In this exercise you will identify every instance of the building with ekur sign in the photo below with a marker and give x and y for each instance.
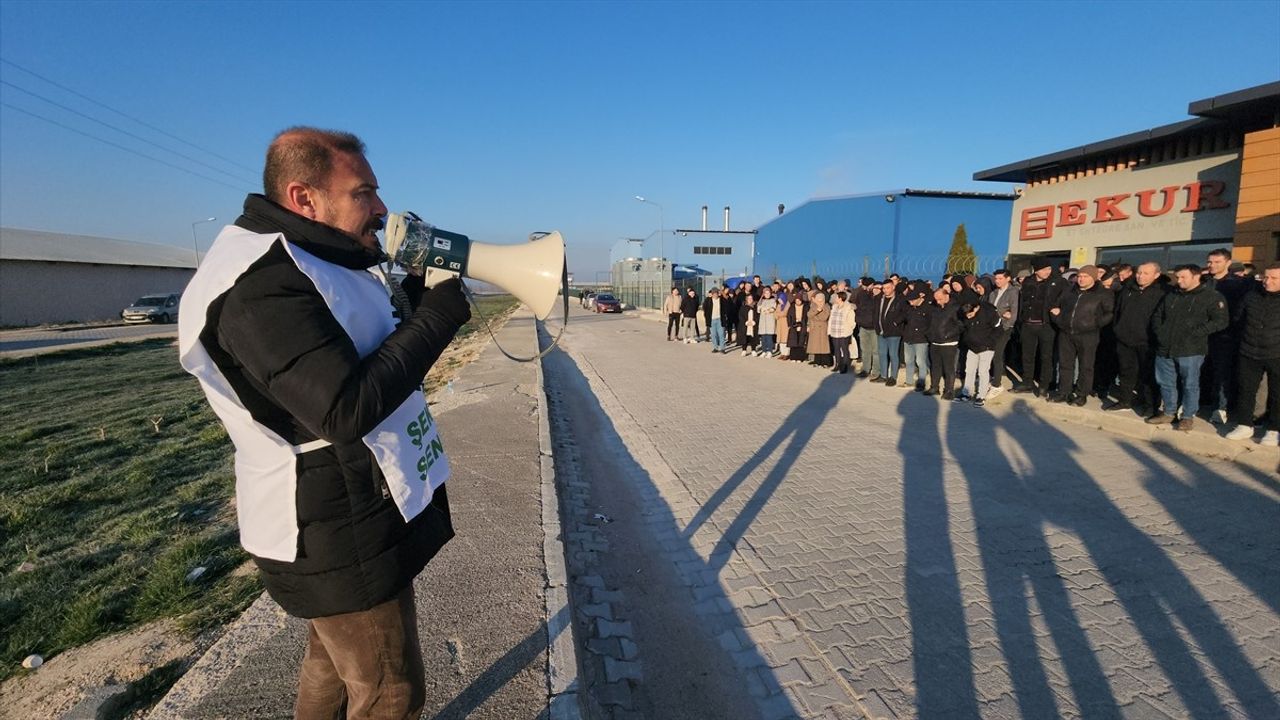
(1169, 194)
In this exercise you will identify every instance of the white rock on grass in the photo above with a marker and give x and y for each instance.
(195, 574)
(31, 662)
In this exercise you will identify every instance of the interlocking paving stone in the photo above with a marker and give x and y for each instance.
(944, 560)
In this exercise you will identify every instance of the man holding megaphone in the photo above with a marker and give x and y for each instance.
(314, 362)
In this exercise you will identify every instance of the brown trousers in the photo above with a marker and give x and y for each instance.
(364, 665)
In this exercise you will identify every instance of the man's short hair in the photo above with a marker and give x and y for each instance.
(1002, 271)
(1223, 253)
(1272, 266)
(1123, 267)
(842, 295)
(1192, 268)
(1151, 262)
(304, 154)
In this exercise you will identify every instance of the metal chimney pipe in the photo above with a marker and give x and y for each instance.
(726, 218)
(704, 218)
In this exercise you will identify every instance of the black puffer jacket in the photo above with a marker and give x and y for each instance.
(1085, 311)
(1260, 326)
(1184, 321)
(982, 330)
(297, 372)
(1134, 308)
(916, 328)
(945, 323)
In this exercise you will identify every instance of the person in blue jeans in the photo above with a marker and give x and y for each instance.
(891, 316)
(1182, 324)
(915, 335)
(713, 309)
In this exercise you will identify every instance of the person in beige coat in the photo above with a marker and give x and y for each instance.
(819, 344)
(671, 306)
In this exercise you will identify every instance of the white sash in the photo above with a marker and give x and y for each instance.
(406, 445)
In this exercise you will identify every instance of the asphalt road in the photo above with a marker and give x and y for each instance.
(34, 341)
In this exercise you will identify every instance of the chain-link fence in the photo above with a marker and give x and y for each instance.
(650, 294)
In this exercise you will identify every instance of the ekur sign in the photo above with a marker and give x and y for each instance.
(1038, 223)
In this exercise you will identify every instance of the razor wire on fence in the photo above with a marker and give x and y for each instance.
(928, 267)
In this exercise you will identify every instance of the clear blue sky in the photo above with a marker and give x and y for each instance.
(497, 119)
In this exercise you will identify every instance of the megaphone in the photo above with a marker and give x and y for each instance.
(530, 271)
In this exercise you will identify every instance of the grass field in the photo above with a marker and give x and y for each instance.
(115, 483)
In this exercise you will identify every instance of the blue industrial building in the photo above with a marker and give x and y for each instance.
(904, 231)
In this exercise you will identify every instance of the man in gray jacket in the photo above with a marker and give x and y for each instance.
(1005, 299)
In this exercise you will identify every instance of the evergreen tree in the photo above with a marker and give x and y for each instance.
(961, 258)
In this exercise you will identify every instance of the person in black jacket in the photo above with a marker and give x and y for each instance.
(1182, 325)
(1217, 377)
(981, 332)
(891, 315)
(866, 301)
(284, 365)
(1135, 304)
(1080, 315)
(1039, 294)
(915, 338)
(1259, 327)
(945, 327)
(689, 317)
(748, 324)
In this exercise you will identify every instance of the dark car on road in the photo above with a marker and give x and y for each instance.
(605, 303)
(153, 308)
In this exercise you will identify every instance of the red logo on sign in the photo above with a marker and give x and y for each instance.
(1038, 222)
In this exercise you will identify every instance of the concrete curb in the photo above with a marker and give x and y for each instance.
(562, 649)
(255, 626)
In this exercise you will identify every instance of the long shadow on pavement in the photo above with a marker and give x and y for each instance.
(1011, 510)
(796, 431)
(695, 574)
(1238, 529)
(942, 664)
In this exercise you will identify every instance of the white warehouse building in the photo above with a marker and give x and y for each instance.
(54, 278)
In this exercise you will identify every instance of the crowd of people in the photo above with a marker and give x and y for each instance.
(1140, 339)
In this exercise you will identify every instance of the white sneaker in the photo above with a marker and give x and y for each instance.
(745, 353)
(1241, 432)
(1270, 438)
(1219, 417)
(994, 392)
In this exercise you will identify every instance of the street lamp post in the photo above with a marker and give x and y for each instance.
(194, 244)
(662, 227)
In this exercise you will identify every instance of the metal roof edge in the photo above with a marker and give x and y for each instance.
(1016, 171)
(1238, 97)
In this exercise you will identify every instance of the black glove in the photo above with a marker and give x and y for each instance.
(448, 299)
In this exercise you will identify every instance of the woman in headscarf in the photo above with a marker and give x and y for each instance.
(819, 345)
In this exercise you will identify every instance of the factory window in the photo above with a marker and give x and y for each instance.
(711, 250)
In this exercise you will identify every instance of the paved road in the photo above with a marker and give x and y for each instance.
(852, 550)
(20, 343)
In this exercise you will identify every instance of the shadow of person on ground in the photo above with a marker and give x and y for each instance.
(758, 688)
(1239, 528)
(1151, 588)
(941, 658)
(1010, 510)
(796, 431)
